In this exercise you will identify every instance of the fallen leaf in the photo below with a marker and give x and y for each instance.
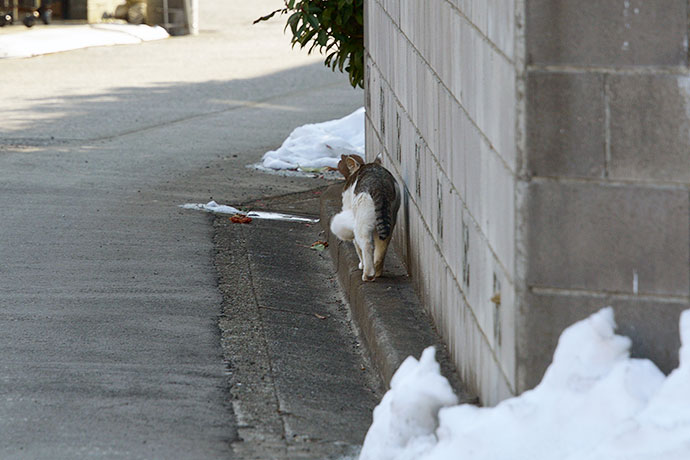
(320, 316)
(240, 219)
(319, 245)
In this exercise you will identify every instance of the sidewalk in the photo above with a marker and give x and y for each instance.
(109, 296)
(302, 385)
(134, 328)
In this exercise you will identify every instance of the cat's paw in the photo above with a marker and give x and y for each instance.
(368, 275)
(360, 266)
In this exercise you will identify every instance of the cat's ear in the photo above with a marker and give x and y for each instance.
(342, 167)
(357, 158)
(352, 163)
(379, 159)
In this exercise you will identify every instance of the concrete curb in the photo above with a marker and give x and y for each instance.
(390, 317)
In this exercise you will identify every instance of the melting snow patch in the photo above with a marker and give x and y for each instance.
(317, 146)
(216, 208)
(594, 403)
(211, 206)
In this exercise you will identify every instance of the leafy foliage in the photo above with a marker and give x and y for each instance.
(336, 27)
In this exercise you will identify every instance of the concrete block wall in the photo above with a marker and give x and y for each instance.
(442, 107)
(604, 205)
(544, 150)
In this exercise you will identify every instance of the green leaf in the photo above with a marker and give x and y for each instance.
(313, 21)
(322, 39)
(334, 26)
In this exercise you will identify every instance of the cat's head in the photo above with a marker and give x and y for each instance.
(349, 164)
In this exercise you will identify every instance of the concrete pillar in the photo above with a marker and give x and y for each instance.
(606, 174)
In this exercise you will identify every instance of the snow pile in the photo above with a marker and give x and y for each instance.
(315, 146)
(594, 402)
(662, 429)
(406, 418)
(54, 39)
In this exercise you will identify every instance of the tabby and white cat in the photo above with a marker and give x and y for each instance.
(371, 199)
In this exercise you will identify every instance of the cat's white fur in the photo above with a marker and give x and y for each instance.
(343, 225)
(356, 223)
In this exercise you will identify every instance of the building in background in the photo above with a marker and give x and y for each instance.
(544, 148)
(178, 17)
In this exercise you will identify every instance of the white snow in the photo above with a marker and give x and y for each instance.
(54, 39)
(211, 206)
(406, 418)
(594, 403)
(216, 208)
(316, 146)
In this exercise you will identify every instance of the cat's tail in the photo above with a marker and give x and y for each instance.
(386, 213)
(343, 225)
(383, 220)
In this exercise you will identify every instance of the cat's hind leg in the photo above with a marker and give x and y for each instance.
(380, 248)
(366, 245)
(365, 221)
(359, 254)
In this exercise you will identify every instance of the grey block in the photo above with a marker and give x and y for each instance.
(565, 124)
(650, 127)
(596, 237)
(652, 326)
(635, 32)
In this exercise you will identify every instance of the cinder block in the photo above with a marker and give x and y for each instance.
(472, 354)
(456, 59)
(372, 93)
(495, 19)
(445, 118)
(565, 124)
(498, 208)
(458, 151)
(442, 29)
(406, 16)
(467, 78)
(474, 173)
(608, 238)
(452, 231)
(652, 326)
(650, 127)
(506, 312)
(501, 130)
(407, 136)
(632, 32)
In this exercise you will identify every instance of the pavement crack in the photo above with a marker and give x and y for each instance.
(285, 310)
(269, 361)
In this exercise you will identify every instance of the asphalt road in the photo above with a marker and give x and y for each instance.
(109, 298)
